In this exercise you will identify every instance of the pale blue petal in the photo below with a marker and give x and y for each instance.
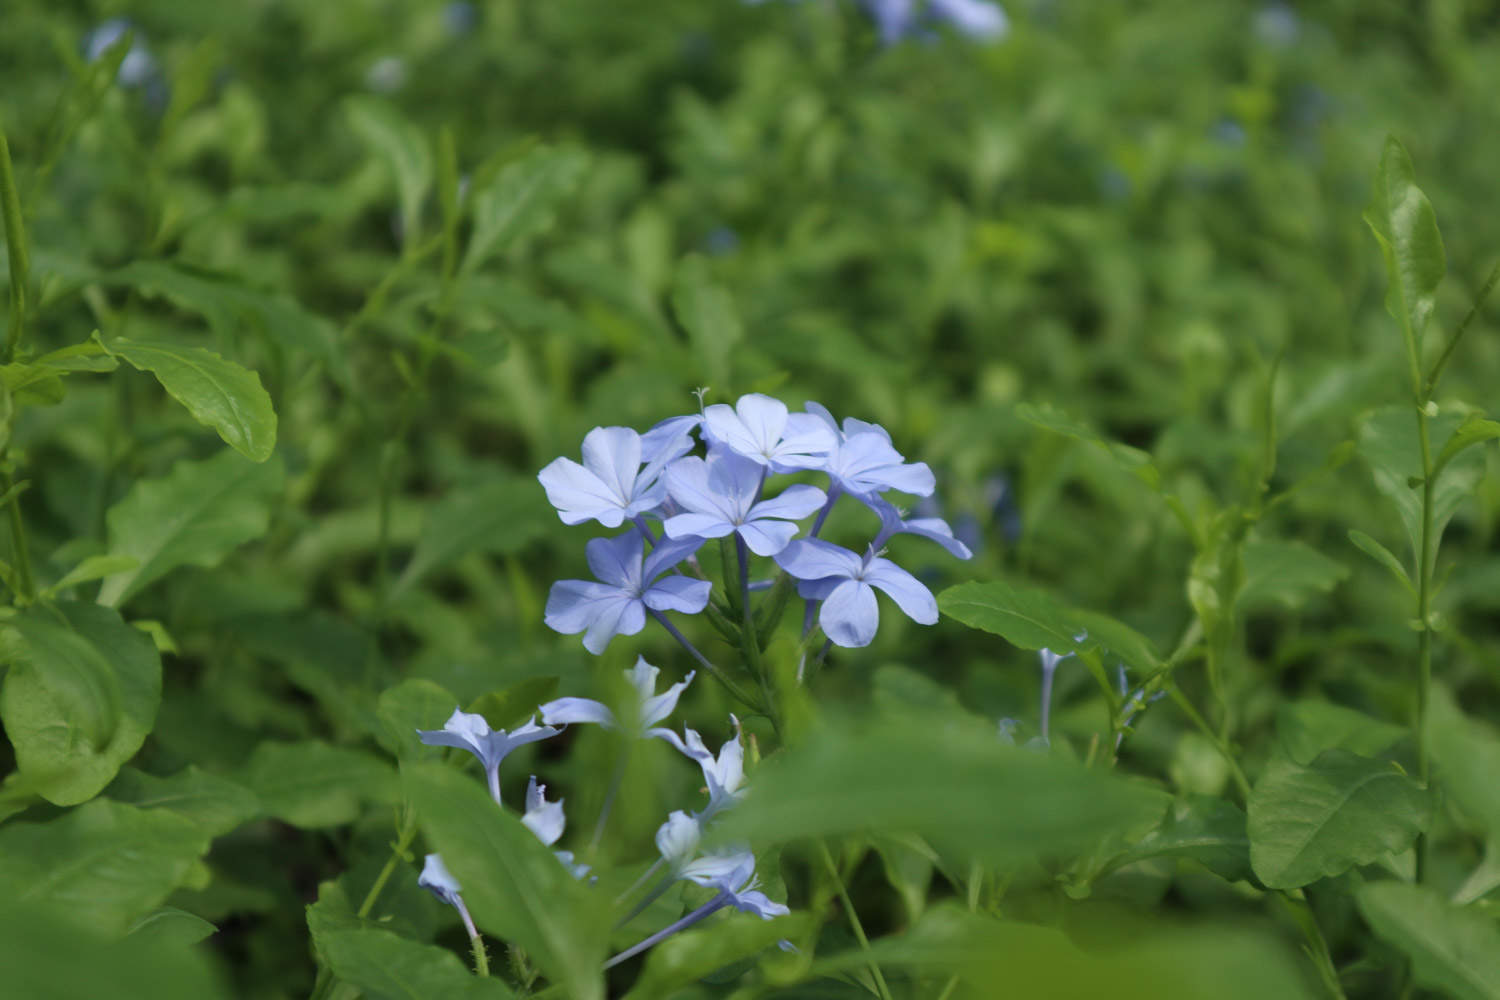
(765, 537)
(543, 818)
(793, 504)
(566, 711)
(909, 593)
(677, 838)
(734, 480)
(687, 481)
(614, 455)
(756, 902)
(936, 529)
(642, 677)
(438, 880)
(656, 708)
(617, 560)
(668, 553)
(817, 590)
(815, 559)
(763, 418)
(821, 412)
(697, 526)
(624, 617)
(677, 593)
(805, 444)
(578, 494)
(573, 604)
(849, 614)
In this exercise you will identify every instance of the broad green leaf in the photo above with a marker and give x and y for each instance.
(217, 392)
(404, 150)
(107, 863)
(49, 954)
(497, 517)
(516, 889)
(1406, 228)
(1342, 810)
(1307, 727)
(959, 789)
(194, 516)
(1286, 573)
(1033, 619)
(1453, 949)
(1384, 556)
(79, 699)
(1132, 960)
(1130, 459)
(172, 925)
(520, 200)
(707, 312)
(390, 967)
(1210, 831)
(685, 958)
(218, 805)
(411, 705)
(314, 784)
(1468, 757)
(1389, 441)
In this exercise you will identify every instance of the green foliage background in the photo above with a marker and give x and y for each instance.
(1107, 275)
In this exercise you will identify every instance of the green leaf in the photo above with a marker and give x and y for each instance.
(217, 392)
(1130, 459)
(1342, 810)
(390, 967)
(959, 789)
(496, 517)
(314, 784)
(1389, 441)
(92, 568)
(1406, 228)
(106, 863)
(1032, 619)
(194, 516)
(1474, 430)
(1468, 757)
(516, 890)
(1451, 948)
(172, 925)
(1384, 556)
(47, 955)
(1306, 728)
(411, 705)
(520, 200)
(79, 699)
(218, 805)
(1210, 831)
(685, 958)
(1286, 573)
(706, 311)
(404, 150)
(516, 704)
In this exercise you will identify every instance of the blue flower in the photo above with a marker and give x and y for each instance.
(724, 774)
(650, 708)
(469, 731)
(761, 429)
(610, 486)
(618, 605)
(438, 880)
(732, 872)
(844, 582)
(546, 820)
(677, 839)
(932, 528)
(719, 497)
(863, 462)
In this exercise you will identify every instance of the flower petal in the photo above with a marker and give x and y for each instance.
(909, 593)
(688, 484)
(566, 711)
(543, 818)
(617, 560)
(849, 614)
(763, 419)
(678, 593)
(438, 880)
(793, 504)
(578, 494)
(668, 553)
(815, 559)
(614, 455)
(656, 708)
(766, 537)
(573, 605)
(697, 526)
(624, 617)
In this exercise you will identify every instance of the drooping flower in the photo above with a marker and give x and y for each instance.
(611, 486)
(719, 497)
(677, 839)
(844, 582)
(732, 872)
(546, 820)
(761, 429)
(438, 880)
(469, 731)
(651, 707)
(618, 605)
(724, 774)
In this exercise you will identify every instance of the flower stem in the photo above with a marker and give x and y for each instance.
(657, 891)
(704, 662)
(1424, 613)
(615, 781)
(833, 495)
(640, 522)
(645, 876)
(1241, 782)
(708, 908)
(853, 916)
(408, 833)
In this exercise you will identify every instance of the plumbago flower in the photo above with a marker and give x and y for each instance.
(724, 775)
(618, 605)
(619, 478)
(469, 731)
(651, 707)
(844, 582)
(761, 429)
(720, 495)
(546, 820)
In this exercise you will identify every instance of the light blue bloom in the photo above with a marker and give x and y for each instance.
(546, 820)
(438, 880)
(618, 605)
(932, 528)
(469, 731)
(724, 774)
(650, 708)
(718, 497)
(761, 429)
(677, 839)
(863, 462)
(732, 872)
(844, 582)
(611, 486)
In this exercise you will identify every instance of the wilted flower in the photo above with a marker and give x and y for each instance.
(469, 731)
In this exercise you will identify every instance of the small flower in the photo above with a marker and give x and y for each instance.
(677, 839)
(436, 879)
(618, 605)
(651, 707)
(546, 820)
(863, 462)
(469, 731)
(724, 774)
(733, 874)
(844, 583)
(761, 429)
(719, 498)
(932, 528)
(610, 486)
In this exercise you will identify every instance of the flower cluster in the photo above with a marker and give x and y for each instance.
(730, 871)
(674, 501)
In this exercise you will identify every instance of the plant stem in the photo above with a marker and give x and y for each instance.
(615, 781)
(713, 905)
(15, 243)
(27, 589)
(854, 924)
(1240, 781)
(404, 838)
(704, 661)
(1424, 611)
